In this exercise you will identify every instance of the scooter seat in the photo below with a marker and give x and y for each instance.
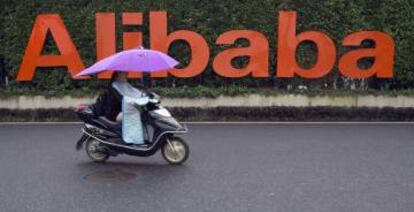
(108, 123)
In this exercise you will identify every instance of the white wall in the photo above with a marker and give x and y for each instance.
(32, 102)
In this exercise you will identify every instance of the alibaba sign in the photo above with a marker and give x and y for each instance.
(257, 51)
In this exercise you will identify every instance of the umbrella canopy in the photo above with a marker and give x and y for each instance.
(134, 60)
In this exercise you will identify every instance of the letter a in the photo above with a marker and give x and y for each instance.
(258, 53)
(383, 52)
(32, 59)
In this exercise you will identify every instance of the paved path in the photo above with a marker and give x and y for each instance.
(260, 167)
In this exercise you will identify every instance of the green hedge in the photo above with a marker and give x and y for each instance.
(336, 18)
(237, 114)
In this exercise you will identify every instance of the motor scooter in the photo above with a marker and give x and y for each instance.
(102, 138)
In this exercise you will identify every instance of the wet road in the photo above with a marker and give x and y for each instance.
(279, 167)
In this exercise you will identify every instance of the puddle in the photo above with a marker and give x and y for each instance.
(112, 175)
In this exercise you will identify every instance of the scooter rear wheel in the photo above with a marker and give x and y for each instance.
(92, 148)
(175, 150)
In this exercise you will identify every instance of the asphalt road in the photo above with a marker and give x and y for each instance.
(265, 167)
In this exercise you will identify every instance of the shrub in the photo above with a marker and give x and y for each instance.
(337, 18)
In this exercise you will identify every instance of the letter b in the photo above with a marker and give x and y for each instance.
(288, 42)
(161, 41)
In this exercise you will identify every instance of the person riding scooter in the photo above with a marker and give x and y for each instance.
(121, 103)
(103, 139)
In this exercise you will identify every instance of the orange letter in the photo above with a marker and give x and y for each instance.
(383, 52)
(68, 57)
(161, 41)
(105, 39)
(132, 39)
(288, 42)
(258, 52)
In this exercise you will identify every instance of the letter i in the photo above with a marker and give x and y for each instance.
(132, 39)
(105, 39)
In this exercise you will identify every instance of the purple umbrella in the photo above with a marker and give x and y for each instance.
(134, 60)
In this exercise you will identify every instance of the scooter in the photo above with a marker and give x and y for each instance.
(102, 138)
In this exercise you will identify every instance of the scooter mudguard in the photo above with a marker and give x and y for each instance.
(80, 142)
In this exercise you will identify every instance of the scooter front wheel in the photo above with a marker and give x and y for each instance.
(175, 150)
(93, 150)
